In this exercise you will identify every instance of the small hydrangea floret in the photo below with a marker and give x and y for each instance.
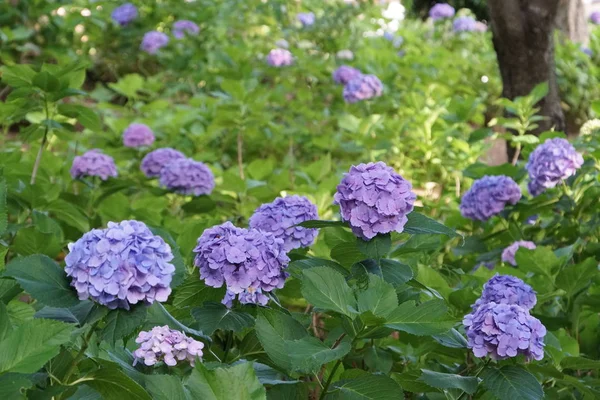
(488, 196)
(184, 27)
(188, 177)
(345, 74)
(138, 135)
(93, 163)
(374, 199)
(280, 58)
(441, 11)
(509, 253)
(306, 19)
(166, 345)
(507, 289)
(595, 17)
(465, 24)
(154, 161)
(124, 14)
(154, 41)
(362, 87)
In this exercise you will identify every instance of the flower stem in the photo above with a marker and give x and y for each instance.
(240, 157)
(84, 346)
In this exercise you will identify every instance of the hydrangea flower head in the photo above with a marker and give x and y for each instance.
(345, 55)
(154, 161)
(509, 253)
(306, 19)
(595, 17)
(441, 11)
(188, 177)
(374, 199)
(184, 27)
(124, 14)
(167, 345)
(488, 196)
(280, 58)
(503, 331)
(507, 289)
(280, 218)
(345, 74)
(397, 41)
(590, 127)
(154, 41)
(480, 27)
(550, 163)
(464, 24)
(282, 44)
(248, 261)
(138, 135)
(362, 87)
(93, 163)
(121, 265)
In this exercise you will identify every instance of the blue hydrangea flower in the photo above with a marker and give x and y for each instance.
(509, 253)
(93, 163)
(595, 17)
(280, 58)
(154, 161)
(362, 87)
(488, 196)
(138, 135)
(550, 163)
(507, 289)
(166, 345)
(184, 27)
(306, 19)
(154, 41)
(441, 11)
(124, 14)
(280, 218)
(503, 331)
(345, 74)
(374, 199)
(121, 265)
(247, 261)
(186, 176)
(464, 24)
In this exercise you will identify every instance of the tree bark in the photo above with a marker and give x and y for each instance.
(523, 37)
(571, 20)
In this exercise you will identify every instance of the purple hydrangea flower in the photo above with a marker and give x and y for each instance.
(595, 17)
(587, 51)
(480, 27)
(124, 14)
(306, 19)
(167, 345)
(507, 289)
(154, 161)
(93, 163)
(374, 199)
(138, 135)
(248, 261)
(186, 176)
(184, 27)
(153, 41)
(121, 265)
(508, 254)
(280, 218)
(464, 24)
(488, 196)
(362, 87)
(345, 74)
(280, 58)
(503, 331)
(441, 11)
(550, 163)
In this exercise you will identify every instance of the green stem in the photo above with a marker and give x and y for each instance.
(330, 378)
(476, 375)
(228, 344)
(84, 346)
(38, 158)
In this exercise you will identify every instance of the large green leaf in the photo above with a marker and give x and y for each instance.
(418, 224)
(5, 324)
(84, 115)
(578, 363)
(309, 353)
(273, 328)
(46, 81)
(376, 248)
(11, 386)
(574, 278)
(120, 323)
(541, 261)
(194, 292)
(327, 289)
(165, 387)
(512, 382)
(113, 384)
(74, 315)
(216, 316)
(429, 318)
(380, 297)
(346, 253)
(238, 382)
(391, 271)
(43, 279)
(369, 387)
(3, 209)
(27, 348)
(31, 240)
(449, 381)
(159, 315)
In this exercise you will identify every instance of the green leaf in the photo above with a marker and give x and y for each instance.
(27, 348)
(120, 323)
(452, 339)
(31, 240)
(43, 279)
(379, 298)
(70, 214)
(479, 170)
(418, 224)
(46, 81)
(5, 324)
(113, 384)
(73, 315)
(84, 115)
(165, 387)
(129, 85)
(216, 316)
(309, 353)
(574, 278)
(3, 209)
(449, 381)
(158, 314)
(369, 387)
(321, 224)
(296, 267)
(376, 248)
(327, 289)
(391, 271)
(194, 292)
(347, 253)
(539, 92)
(19, 75)
(577, 363)
(419, 244)
(260, 169)
(12, 386)
(379, 360)
(512, 382)
(429, 318)
(238, 382)
(540, 261)
(273, 328)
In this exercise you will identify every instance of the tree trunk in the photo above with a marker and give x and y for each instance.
(523, 36)
(571, 20)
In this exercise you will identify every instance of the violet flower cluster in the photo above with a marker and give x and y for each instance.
(362, 87)
(509, 253)
(595, 17)
(248, 262)
(154, 41)
(464, 24)
(500, 324)
(306, 19)
(138, 135)
(345, 74)
(93, 163)
(167, 345)
(124, 14)
(280, 58)
(184, 27)
(281, 217)
(488, 196)
(154, 161)
(374, 199)
(187, 176)
(121, 265)
(441, 11)
(550, 163)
